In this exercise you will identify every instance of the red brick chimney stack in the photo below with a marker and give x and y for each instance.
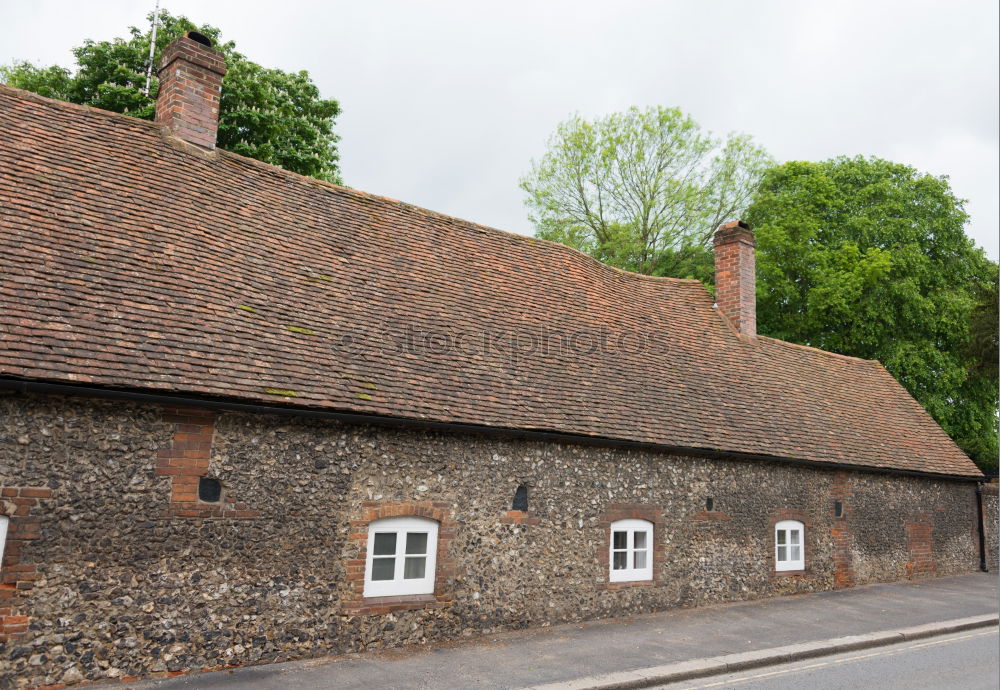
(190, 75)
(735, 276)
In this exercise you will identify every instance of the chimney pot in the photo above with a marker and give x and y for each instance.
(200, 38)
(190, 75)
(735, 276)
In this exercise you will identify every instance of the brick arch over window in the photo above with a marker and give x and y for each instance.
(632, 511)
(802, 516)
(355, 603)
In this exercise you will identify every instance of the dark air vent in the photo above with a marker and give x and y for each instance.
(209, 489)
(521, 499)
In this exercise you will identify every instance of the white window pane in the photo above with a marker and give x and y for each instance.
(781, 536)
(414, 568)
(621, 560)
(631, 550)
(795, 553)
(383, 568)
(793, 536)
(401, 557)
(782, 553)
(416, 542)
(385, 544)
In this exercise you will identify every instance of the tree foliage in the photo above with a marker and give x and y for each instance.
(984, 337)
(642, 190)
(869, 258)
(274, 116)
(51, 82)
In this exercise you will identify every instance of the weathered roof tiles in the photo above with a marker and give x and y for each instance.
(134, 261)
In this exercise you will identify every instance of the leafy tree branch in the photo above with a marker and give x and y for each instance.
(642, 190)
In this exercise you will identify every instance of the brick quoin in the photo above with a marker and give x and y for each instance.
(186, 460)
(843, 571)
(920, 545)
(22, 506)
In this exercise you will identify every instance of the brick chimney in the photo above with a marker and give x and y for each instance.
(190, 77)
(735, 276)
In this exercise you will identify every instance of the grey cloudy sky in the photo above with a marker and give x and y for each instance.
(445, 103)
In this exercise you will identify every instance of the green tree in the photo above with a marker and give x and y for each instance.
(984, 335)
(642, 190)
(869, 258)
(51, 82)
(274, 116)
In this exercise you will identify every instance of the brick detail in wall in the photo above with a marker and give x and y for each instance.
(186, 460)
(843, 571)
(920, 546)
(518, 517)
(190, 76)
(21, 505)
(631, 511)
(356, 604)
(736, 277)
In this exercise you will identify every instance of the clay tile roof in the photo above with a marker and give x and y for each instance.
(132, 261)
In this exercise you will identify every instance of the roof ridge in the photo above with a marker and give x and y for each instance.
(818, 350)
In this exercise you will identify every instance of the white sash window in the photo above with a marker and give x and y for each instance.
(631, 555)
(789, 546)
(401, 557)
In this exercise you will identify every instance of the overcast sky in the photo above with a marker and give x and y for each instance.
(446, 103)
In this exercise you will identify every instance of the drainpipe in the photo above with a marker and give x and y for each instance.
(982, 530)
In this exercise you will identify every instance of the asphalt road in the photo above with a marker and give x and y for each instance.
(966, 660)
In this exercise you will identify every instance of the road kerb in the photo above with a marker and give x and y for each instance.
(701, 668)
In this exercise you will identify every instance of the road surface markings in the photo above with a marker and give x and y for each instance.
(857, 657)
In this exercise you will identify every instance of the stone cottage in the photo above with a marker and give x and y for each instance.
(248, 416)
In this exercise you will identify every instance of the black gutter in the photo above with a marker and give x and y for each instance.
(453, 427)
(982, 528)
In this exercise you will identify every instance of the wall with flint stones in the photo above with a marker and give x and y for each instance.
(118, 571)
(991, 525)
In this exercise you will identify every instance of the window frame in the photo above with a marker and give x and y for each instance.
(789, 564)
(399, 585)
(4, 526)
(631, 526)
